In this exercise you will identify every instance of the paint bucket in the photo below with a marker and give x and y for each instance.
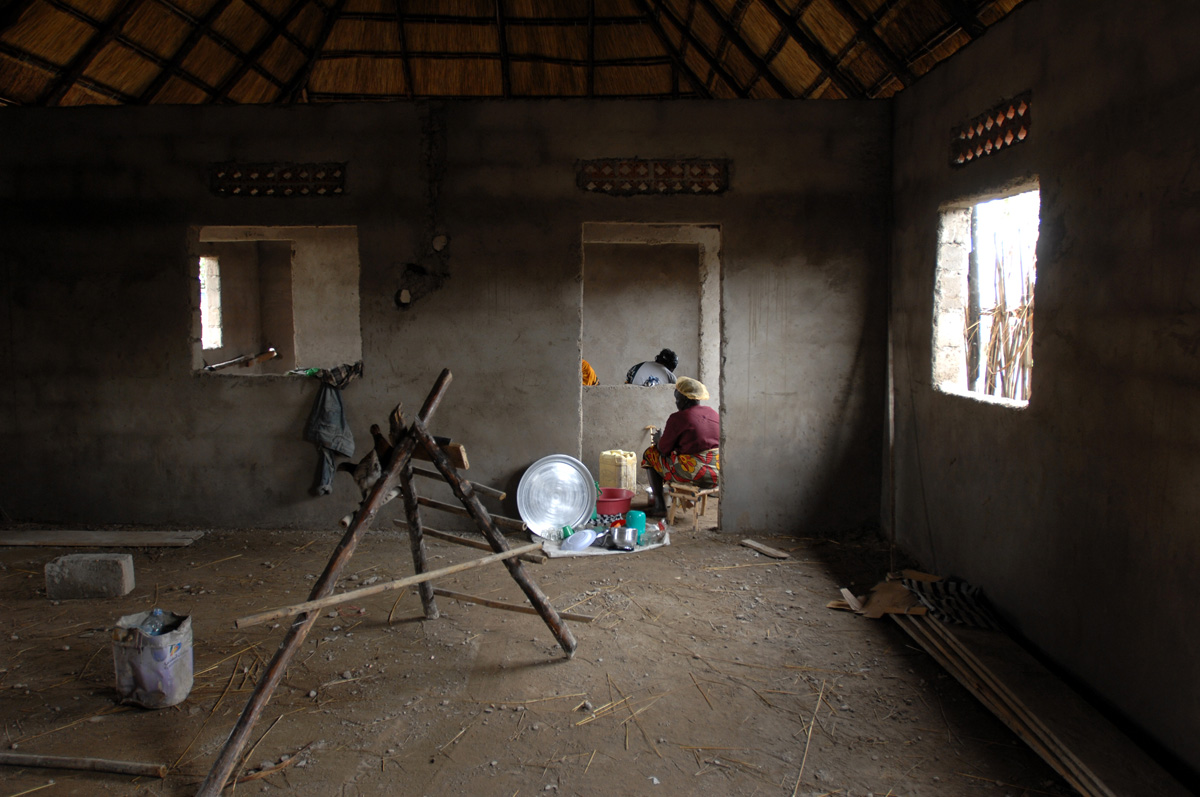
(153, 670)
(618, 469)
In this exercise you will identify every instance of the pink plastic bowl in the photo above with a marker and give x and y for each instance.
(614, 501)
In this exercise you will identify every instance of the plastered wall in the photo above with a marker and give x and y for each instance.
(1076, 514)
(96, 289)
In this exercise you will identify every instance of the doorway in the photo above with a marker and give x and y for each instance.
(645, 287)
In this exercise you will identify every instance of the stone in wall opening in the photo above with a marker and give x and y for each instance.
(984, 298)
(290, 290)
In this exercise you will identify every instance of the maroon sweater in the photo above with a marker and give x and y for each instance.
(691, 431)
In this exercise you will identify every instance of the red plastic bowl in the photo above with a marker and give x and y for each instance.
(613, 501)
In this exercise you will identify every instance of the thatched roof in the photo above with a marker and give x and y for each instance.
(140, 52)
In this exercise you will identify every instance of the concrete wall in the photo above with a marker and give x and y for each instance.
(97, 298)
(638, 299)
(1077, 513)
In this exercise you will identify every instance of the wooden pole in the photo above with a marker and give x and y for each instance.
(532, 558)
(227, 759)
(510, 607)
(375, 589)
(416, 540)
(499, 520)
(466, 494)
(89, 764)
(479, 488)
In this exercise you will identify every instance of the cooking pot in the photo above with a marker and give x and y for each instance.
(622, 538)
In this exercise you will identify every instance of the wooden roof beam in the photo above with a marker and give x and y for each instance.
(674, 54)
(780, 39)
(83, 59)
(294, 86)
(665, 10)
(174, 65)
(866, 32)
(220, 40)
(502, 44)
(815, 51)
(591, 49)
(964, 16)
(406, 63)
(764, 69)
(11, 11)
(261, 46)
(489, 21)
(276, 26)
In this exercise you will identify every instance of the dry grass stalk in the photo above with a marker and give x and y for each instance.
(701, 690)
(46, 785)
(808, 741)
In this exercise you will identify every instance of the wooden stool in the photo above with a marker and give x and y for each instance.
(687, 496)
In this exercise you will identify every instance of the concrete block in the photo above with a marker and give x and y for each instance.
(89, 575)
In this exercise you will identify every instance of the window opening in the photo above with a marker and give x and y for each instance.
(210, 302)
(984, 301)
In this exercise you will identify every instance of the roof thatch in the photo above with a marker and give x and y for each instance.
(139, 52)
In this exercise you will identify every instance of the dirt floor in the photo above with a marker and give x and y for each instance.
(709, 668)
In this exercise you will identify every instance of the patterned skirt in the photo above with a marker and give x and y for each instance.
(702, 470)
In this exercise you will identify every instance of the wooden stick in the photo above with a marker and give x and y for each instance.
(227, 759)
(466, 494)
(89, 764)
(416, 540)
(479, 488)
(375, 589)
(766, 550)
(499, 520)
(512, 607)
(532, 558)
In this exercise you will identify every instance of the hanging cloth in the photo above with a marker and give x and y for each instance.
(327, 426)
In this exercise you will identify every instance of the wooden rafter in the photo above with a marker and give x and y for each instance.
(11, 11)
(261, 46)
(688, 16)
(699, 47)
(735, 19)
(815, 51)
(445, 55)
(964, 16)
(489, 21)
(83, 59)
(502, 43)
(275, 26)
(224, 43)
(730, 32)
(674, 54)
(777, 44)
(173, 66)
(866, 32)
(591, 49)
(406, 59)
(42, 65)
(300, 79)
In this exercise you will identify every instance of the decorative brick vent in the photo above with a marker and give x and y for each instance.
(637, 177)
(279, 179)
(1005, 125)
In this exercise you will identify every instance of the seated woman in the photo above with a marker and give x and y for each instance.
(688, 448)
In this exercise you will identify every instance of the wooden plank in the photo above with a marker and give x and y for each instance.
(479, 488)
(766, 550)
(387, 586)
(532, 558)
(1096, 741)
(58, 538)
(511, 607)
(454, 509)
(455, 452)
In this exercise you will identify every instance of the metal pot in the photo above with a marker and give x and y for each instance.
(623, 538)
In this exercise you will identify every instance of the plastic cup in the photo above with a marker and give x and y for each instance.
(637, 520)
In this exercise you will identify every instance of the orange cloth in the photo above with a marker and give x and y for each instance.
(589, 374)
